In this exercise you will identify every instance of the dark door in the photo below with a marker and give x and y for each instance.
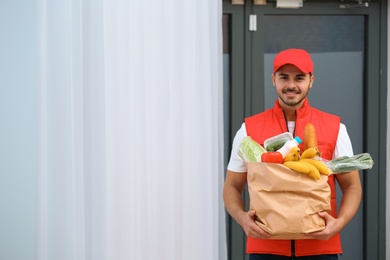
(345, 46)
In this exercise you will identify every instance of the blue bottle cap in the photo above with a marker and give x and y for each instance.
(299, 141)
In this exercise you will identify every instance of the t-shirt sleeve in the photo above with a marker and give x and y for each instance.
(343, 144)
(236, 163)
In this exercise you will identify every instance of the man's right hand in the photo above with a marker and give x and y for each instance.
(233, 188)
(250, 227)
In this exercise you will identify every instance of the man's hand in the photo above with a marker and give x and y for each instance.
(352, 193)
(332, 227)
(233, 188)
(251, 229)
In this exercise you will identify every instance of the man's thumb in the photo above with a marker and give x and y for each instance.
(252, 212)
(323, 214)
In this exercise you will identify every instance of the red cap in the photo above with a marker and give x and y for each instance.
(297, 57)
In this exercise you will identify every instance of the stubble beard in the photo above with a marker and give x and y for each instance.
(292, 102)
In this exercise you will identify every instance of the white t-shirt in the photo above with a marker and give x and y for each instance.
(236, 164)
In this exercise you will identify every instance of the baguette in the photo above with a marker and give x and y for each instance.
(310, 137)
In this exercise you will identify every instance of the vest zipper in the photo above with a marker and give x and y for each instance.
(292, 249)
(295, 127)
(286, 123)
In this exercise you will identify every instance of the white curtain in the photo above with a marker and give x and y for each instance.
(130, 130)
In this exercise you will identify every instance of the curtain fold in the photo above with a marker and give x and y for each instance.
(130, 130)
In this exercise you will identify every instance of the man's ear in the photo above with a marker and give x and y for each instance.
(311, 81)
(273, 79)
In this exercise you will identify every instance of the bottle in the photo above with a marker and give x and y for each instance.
(285, 149)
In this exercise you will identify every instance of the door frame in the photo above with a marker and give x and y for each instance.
(247, 89)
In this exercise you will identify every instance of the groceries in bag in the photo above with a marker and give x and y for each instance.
(283, 149)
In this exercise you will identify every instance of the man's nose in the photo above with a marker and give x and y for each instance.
(291, 83)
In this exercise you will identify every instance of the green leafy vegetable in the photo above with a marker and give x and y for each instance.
(361, 161)
(250, 150)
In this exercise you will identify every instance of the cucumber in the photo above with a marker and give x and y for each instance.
(274, 146)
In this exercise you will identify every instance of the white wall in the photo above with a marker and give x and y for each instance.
(18, 128)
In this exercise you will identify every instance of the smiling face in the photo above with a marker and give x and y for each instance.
(292, 86)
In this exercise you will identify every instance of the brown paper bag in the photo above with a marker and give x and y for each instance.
(287, 202)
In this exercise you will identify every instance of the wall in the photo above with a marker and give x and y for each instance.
(18, 83)
(388, 140)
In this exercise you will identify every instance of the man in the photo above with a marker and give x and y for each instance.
(293, 78)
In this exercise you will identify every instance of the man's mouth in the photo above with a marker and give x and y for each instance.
(291, 93)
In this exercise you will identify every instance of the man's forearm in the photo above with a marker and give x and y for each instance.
(234, 203)
(352, 193)
(349, 204)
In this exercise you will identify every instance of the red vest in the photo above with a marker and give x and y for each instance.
(272, 122)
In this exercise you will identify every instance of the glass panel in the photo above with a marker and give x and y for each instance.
(226, 78)
(336, 44)
(315, 33)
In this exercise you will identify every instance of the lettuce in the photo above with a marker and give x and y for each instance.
(250, 151)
